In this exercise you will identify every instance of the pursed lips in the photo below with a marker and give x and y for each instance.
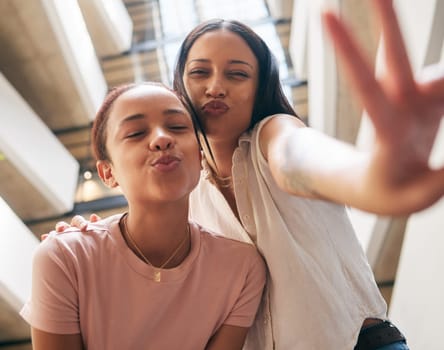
(166, 162)
(215, 107)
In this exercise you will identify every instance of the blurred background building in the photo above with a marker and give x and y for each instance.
(59, 58)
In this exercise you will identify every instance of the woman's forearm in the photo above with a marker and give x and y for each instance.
(385, 181)
(308, 163)
(49, 341)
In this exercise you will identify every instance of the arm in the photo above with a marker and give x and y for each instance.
(54, 299)
(228, 338)
(308, 163)
(232, 334)
(395, 177)
(49, 341)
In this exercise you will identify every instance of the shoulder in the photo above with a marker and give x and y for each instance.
(54, 256)
(280, 122)
(274, 128)
(73, 241)
(269, 130)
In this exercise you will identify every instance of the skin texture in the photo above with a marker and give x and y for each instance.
(146, 125)
(135, 126)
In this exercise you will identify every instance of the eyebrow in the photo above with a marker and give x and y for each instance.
(166, 112)
(172, 111)
(204, 60)
(131, 118)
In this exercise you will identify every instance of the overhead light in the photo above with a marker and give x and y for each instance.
(87, 175)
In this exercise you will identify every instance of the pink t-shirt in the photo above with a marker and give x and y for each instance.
(92, 283)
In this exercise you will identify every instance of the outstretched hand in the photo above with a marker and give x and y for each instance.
(406, 114)
(77, 221)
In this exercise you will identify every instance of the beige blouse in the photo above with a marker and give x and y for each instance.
(320, 286)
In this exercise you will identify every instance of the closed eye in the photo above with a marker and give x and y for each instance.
(238, 74)
(178, 127)
(197, 72)
(134, 134)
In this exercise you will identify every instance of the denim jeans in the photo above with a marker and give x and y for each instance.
(395, 346)
(380, 334)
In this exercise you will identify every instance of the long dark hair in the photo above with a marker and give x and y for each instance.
(270, 98)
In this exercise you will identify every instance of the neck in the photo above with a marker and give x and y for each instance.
(157, 233)
(223, 155)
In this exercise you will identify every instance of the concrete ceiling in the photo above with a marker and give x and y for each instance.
(34, 63)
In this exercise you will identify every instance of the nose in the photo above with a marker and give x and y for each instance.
(161, 141)
(215, 88)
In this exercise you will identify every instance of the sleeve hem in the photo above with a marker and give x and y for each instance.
(34, 322)
(239, 322)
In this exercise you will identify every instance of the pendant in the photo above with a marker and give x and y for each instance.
(157, 276)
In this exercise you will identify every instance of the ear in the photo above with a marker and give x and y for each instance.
(105, 171)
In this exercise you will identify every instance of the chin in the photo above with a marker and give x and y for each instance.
(175, 192)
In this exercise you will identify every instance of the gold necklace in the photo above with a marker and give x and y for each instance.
(211, 174)
(157, 273)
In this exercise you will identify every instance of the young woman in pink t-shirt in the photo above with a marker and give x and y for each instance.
(147, 279)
